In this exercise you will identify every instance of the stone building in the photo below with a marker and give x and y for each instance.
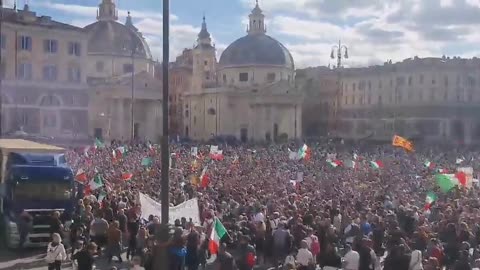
(319, 87)
(435, 99)
(249, 94)
(44, 89)
(180, 82)
(121, 75)
(111, 110)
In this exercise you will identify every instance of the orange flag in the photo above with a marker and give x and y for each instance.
(403, 143)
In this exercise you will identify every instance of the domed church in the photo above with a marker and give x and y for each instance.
(112, 45)
(249, 94)
(125, 97)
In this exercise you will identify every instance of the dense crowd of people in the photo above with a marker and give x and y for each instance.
(295, 213)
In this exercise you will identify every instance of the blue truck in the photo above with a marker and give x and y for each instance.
(36, 179)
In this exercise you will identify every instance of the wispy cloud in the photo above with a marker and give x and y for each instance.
(91, 11)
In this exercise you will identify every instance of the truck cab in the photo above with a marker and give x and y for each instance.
(37, 180)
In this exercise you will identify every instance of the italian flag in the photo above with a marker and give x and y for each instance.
(81, 176)
(204, 178)
(429, 200)
(334, 163)
(429, 164)
(443, 171)
(96, 182)
(305, 152)
(446, 182)
(121, 151)
(218, 232)
(376, 164)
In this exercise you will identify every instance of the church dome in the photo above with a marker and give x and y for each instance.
(256, 49)
(108, 37)
(113, 38)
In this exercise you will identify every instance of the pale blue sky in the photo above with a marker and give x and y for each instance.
(374, 30)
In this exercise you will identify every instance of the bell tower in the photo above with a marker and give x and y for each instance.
(257, 21)
(204, 61)
(107, 11)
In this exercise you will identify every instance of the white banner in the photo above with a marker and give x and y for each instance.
(194, 151)
(213, 149)
(188, 209)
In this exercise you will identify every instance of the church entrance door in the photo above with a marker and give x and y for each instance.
(244, 135)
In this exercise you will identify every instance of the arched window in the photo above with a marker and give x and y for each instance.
(211, 111)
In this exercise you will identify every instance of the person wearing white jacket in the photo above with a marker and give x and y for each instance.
(55, 253)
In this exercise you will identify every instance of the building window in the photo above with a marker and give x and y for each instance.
(127, 68)
(353, 100)
(3, 41)
(420, 95)
(390, 98)
(74, 48)
(270, 77)
(346, 100)
(25, 43)
(99, 66)
(445, 95)
(470, 95)
(194, 120)
(421, 78)
(187, 113)
(379, 84)
(207, 75)
(380, 100)
(369, 85)
(243, 77)
(74, 74)
(205, 63)
(433, 81)
(354, 87)
(25, 71)
(50, 73)
(410, 81)
(445, 80)
(225, 78)
(50, 46)
(432, 94)
(361, 100)
(458, 80)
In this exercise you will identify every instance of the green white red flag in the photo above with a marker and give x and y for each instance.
(334, 163)
(81, 176)
(376, 164)
(428, 164)
(447, 182)
(218, 232)
(429, 200)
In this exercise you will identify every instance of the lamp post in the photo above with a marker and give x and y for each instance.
(162, 233)
(164, 143)
(132, 123)
(339, 49)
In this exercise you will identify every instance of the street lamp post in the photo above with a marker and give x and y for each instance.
(339, 49)
(132, 123)
(162, 235)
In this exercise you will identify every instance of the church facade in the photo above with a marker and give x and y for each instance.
(125, 97)
(249, 93)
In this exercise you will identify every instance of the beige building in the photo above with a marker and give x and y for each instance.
(430, 98)
(250, 93)
(111, 109)
(121, 73)
(44, 89)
